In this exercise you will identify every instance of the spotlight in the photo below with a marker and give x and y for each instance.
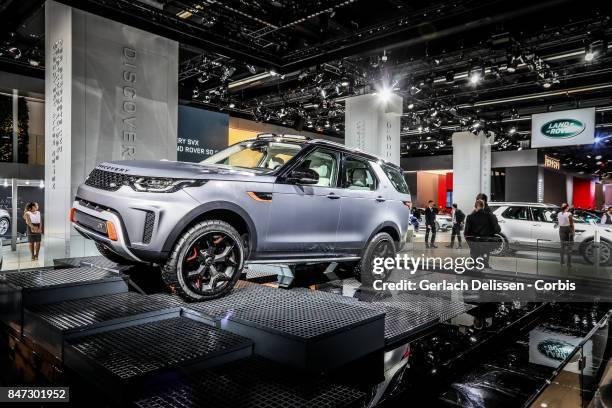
(385, 94)
(411, 106)
(203, 78)
(251, 68)
(34, 57)
(41, 184)
(475, 75)
(546, 84)
(232, 105)
(512, 130)
(196, 93)
(14, 52)
(589, 53)
(345, 82)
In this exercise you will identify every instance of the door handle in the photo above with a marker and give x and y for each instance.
(380, 199)
(333, 196)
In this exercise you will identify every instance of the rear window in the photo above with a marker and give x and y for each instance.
(396, 178)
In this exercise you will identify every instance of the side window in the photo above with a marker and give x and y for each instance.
(396, 178)
(542, 214)
(325, 164)
(358, 175)
(516, 213)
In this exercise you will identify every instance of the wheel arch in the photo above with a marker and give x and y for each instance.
(390, 228)
(219, 210)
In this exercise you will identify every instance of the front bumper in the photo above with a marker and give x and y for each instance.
(142, 221)
(100, 234)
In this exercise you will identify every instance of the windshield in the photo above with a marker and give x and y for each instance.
(258, 154)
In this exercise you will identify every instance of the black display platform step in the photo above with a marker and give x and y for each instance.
(50, 325)
(132, 359)
(94, 261)
(400, 324)
(249, 383)
(260, 273)
(21, 289)
(293, 328)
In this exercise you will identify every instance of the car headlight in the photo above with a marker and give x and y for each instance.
(162, 185)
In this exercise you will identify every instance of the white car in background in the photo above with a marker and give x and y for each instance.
(534, 226)
(5, 222)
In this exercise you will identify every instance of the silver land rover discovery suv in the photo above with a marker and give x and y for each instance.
(274, 199)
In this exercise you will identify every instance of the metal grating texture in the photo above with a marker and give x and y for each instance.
(290, 312)
(55, 277)
(441, 308)
(80, 313)
(254, 273)
(50, 325)
(103, 263)
(400, 323)
(66, 262)
(106, 180)
(253, 382)
(294, 328)
(133, 359)
(148, 227)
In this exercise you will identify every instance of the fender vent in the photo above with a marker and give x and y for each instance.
(148, 227)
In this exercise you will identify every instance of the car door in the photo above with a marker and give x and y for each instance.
(515, 222)
(544, 227)
(303, 219)
(361, 207)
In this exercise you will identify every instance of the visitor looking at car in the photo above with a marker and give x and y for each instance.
(32, 218)
(606, 218)
(565, 219)
(480, 232)
(458, 217)
(430, 225)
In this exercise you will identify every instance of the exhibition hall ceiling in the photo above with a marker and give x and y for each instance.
(459, 65)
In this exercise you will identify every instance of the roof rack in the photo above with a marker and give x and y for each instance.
(271, 135)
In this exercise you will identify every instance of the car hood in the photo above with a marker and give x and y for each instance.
(176, 169)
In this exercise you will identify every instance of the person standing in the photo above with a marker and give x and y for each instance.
(33, 221)
(430, 225)
(480, 230)
(606, 218)
(483, 197)
(458, 218)
(565, 220)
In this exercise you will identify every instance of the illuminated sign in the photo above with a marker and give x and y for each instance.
(552, 163)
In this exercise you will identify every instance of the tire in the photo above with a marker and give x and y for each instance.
(504, 246)
(194, 268)
(5, 226)
(111, 256)
(605, 252)
(364, 269)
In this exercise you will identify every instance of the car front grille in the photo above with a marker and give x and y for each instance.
(106, 180)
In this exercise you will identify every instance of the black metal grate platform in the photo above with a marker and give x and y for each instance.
(50, 325)
(253, 382)
(80, 313)
(126, 359)
(400, 324)
(442, 308)
(54, 277)
(295, 328)
(103, 263)
(255, 273)
(32, 287)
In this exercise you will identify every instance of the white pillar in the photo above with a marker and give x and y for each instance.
(471, 168)
(111, 93)
(373, 125)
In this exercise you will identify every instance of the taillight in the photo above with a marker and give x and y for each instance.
(71, 215)
(111, 231)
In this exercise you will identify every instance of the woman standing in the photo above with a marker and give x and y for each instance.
(566, 233)
(33, 220)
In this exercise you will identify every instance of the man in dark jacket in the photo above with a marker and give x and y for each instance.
(483, 197)
(480, 230)
(458, 218)
(430, 225)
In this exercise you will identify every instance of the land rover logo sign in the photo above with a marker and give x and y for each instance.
(562, 128)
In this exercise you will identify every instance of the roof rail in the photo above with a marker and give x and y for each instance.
(270, 135)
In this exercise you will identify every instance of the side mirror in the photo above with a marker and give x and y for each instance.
(303, 176)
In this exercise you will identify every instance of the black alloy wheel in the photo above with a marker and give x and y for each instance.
(381, 245)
